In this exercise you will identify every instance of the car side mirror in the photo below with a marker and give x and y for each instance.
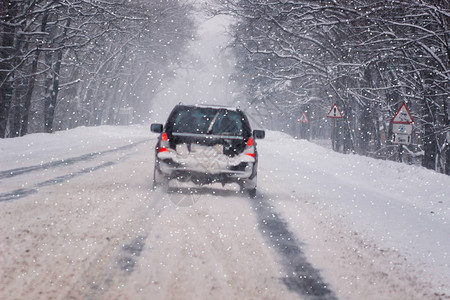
(259, 134)
(157, 128)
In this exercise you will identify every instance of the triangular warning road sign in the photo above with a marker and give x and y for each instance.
(334, 112)
(303, 118)
(403, 116)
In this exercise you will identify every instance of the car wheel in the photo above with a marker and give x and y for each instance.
(158, 178)
(252, 193)
(249, 186)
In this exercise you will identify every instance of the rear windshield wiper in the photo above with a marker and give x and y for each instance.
(212, 123)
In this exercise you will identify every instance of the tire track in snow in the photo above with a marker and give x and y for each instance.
(21, 193)
(301, 277)
(131, 251)
(64, 162)
(24, 192)
(113, 265)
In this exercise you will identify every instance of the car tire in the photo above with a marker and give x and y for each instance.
(158, 179)
(248, 187)
(252, 193)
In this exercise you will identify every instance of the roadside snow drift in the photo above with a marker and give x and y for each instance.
(79, 220)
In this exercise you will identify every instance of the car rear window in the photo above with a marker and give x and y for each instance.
(203, 120)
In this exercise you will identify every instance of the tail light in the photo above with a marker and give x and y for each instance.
(164, 145)
(250, 150)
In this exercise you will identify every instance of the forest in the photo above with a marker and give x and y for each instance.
(69, 63)
(367, 56)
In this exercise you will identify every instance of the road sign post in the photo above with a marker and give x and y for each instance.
(402, 128)
(334, 113)
(304, 128)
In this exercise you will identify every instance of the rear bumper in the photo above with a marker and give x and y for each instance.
(168, 167)
(206, 164)
(244, 173)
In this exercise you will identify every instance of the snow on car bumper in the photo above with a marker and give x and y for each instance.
(207, 161)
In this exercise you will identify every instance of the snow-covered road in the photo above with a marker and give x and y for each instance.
(79, 221)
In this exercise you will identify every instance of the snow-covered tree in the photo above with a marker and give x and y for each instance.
(78, 62)
(366, 56)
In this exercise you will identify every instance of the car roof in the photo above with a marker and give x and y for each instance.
(214, 106)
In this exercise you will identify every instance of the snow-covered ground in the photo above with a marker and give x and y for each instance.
(79, 221)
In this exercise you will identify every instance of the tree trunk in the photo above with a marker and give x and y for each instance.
(31, 82)
(347, 130)
(54, 93)
(6, 67)
(447, 146)
(429, 136)
(28, 95)
(365, 130)
(51, 104)
(48, 109)
(447, 161)
(15, 115)
(18, 82)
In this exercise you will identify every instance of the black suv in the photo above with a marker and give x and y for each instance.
(207, 144)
